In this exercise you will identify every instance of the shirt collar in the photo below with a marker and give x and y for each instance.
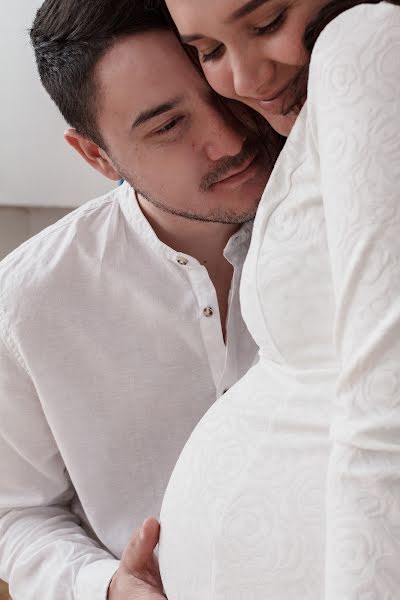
(237, 244)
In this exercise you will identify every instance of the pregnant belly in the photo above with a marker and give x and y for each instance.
(243, 514)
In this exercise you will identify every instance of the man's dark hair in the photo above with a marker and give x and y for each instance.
(69, 37)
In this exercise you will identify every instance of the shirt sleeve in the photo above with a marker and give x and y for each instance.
(44, 552)
(354, 106)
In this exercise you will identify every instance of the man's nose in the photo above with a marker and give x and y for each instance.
(224, 137)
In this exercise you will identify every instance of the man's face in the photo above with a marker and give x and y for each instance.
(168, 136)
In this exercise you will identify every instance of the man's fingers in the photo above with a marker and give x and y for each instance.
(139, 550)
(150, 532)
(138, 575)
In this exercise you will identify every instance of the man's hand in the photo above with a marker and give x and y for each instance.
(138, 576)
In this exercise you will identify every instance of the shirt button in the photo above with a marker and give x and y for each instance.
(182, 260)
(208, 311)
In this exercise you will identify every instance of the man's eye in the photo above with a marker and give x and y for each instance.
(170, 125)
(272, 27)
(216, 53)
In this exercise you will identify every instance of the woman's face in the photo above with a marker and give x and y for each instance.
(250, 50)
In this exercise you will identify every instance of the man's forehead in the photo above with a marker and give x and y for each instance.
(150, 56)
(143, 71)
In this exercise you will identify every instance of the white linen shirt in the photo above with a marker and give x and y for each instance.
(111, 350)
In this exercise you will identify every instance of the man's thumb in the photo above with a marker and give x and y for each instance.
(140, 548)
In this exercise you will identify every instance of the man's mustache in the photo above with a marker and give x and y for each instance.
(249, 150)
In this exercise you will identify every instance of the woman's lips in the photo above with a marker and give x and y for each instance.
(274, 102)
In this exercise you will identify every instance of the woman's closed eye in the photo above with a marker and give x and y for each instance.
(268, 29)
(213, 55)
(272, 27)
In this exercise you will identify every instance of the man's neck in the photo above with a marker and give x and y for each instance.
(203, 240)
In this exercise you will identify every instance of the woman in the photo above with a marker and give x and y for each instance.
(289, 487)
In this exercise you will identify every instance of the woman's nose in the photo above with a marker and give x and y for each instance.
(251, 78)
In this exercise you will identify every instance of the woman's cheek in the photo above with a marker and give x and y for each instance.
(220, 80)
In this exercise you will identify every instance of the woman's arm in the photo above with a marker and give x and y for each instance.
(354, 103)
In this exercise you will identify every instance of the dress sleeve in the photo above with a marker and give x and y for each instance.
(354, 107)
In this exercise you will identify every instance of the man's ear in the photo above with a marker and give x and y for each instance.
(92, 154)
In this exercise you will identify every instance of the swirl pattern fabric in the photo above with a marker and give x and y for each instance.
(289, 487)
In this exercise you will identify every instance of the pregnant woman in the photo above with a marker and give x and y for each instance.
(289, 487)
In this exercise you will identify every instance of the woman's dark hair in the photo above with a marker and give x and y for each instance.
(70, 36)
(328, 13)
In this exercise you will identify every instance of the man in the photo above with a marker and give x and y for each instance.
(120, 325)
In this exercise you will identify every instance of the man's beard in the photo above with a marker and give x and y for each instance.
(251, 148)
(216, 215)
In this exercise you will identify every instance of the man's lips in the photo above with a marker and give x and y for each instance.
(236, 173)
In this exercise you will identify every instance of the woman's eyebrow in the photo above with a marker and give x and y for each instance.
(245, 10)
(186, 39)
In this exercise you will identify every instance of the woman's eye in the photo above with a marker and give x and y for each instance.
(216, 53)
(171, 125)
(272, 27)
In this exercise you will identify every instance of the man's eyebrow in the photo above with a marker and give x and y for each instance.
(245, 10)
(155, 111)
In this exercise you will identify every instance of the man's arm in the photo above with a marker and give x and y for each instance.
(44, 553)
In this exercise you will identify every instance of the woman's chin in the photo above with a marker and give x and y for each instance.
(283, 124)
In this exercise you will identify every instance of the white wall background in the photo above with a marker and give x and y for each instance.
(17, 224)
(37, 168)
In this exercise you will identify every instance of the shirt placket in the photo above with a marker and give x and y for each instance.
(208, 315)
(229, 374)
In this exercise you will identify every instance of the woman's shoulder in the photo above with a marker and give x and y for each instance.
(362, 28)
(359, 50)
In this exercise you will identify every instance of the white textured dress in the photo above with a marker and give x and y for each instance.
(289, 487)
